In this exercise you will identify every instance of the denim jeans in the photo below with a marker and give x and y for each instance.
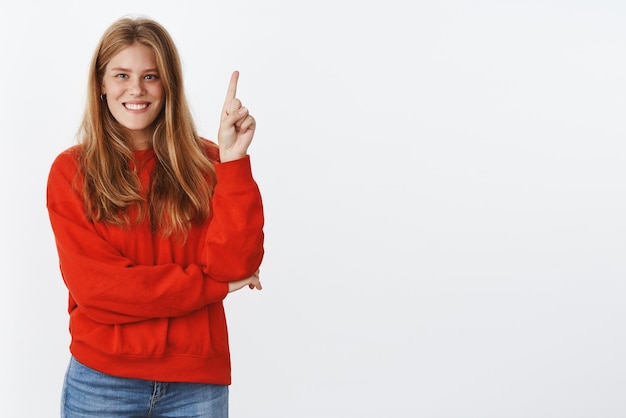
(89, 393)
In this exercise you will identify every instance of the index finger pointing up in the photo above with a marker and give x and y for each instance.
(231, 92)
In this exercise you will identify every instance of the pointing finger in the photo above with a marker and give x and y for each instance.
(231, 92)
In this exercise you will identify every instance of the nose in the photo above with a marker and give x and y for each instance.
(135, 87)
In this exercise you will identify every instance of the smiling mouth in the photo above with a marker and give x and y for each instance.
(135, 106)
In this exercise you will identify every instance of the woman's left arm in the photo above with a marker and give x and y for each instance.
(234, 245)
(234, 248)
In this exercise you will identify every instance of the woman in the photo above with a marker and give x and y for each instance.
(154, 226)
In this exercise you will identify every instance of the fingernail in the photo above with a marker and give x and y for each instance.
(242, 111)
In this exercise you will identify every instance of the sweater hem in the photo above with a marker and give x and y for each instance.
(166, 368)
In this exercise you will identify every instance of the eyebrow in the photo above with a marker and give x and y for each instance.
(126, 70)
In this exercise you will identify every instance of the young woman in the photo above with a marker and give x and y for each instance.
(154, 226)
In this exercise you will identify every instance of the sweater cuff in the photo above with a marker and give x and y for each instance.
(234, 174)
(215, 291)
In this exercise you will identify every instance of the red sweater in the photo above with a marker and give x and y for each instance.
(151, 308)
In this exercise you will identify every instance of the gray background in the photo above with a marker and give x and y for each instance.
(444, 190)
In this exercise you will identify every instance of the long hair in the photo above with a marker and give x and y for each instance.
(184, 177)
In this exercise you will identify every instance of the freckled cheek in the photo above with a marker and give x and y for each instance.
(158, 92)
(161, 97)
(114, 91)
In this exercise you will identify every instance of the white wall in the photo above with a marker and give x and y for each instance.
(445, 194)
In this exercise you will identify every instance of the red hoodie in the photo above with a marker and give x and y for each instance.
(151, 308)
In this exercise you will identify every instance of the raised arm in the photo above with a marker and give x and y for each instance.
(234, 247)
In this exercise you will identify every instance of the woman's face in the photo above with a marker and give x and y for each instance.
(134, 92)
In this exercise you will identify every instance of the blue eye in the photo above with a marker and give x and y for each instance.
(151, 77)
(122, 76)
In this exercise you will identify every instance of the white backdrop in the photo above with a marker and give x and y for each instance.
(444, 184)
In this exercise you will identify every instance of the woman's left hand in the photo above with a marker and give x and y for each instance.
(253, 282)
(236, 125)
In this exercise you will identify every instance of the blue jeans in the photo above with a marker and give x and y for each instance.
(88, 393)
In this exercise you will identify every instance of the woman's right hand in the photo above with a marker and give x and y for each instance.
(252, 282)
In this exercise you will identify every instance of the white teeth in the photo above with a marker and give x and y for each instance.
(135, 106)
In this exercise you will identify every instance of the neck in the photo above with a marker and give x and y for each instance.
(141, 140)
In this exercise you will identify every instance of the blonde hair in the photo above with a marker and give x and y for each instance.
(184, 177)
